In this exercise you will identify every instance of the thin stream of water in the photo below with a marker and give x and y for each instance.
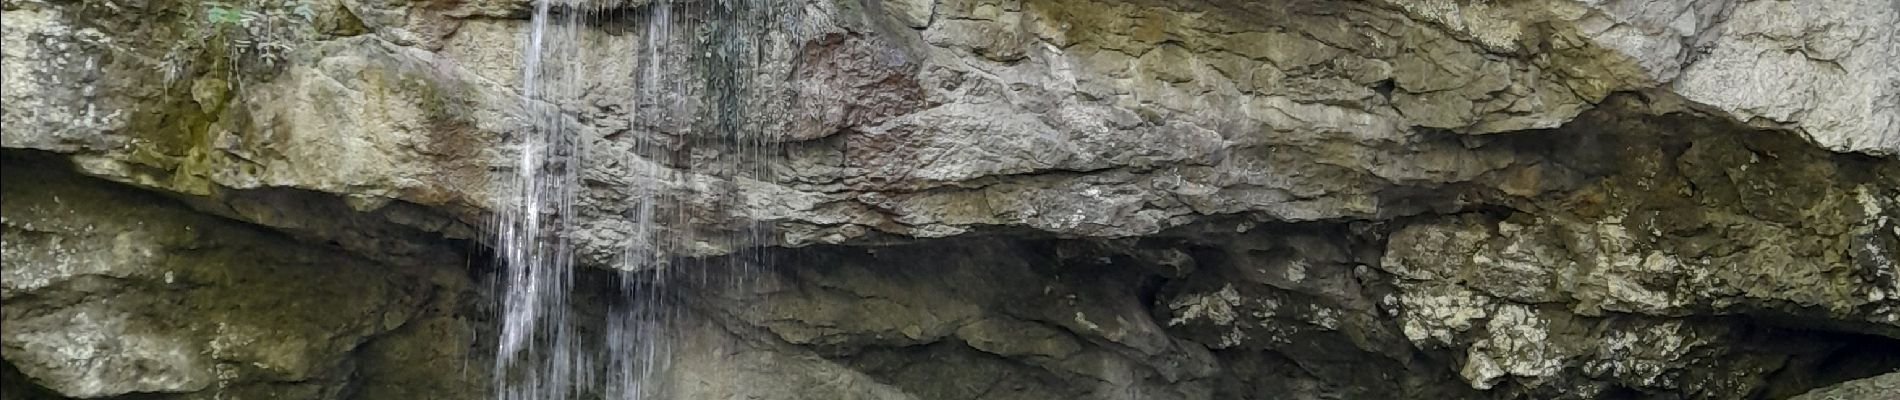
(699, 66)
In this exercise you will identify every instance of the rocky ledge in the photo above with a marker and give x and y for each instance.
(976, 199)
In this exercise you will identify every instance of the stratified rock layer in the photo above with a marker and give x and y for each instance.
(113, 291)
(975, 199)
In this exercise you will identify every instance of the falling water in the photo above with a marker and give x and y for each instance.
(700, 71)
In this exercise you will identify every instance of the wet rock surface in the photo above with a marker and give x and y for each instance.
(978, 199)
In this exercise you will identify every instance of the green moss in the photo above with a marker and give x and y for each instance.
(167, 125)
(173, 137)
(435, 102)
(176, 95)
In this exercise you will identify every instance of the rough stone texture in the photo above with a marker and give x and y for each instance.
(1875, 388)
(1069, 338)
(1823, 69)
(1171, 112)
(984, 198)
(112, 291)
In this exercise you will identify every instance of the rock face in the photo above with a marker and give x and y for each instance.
(973, 199)
(111, 291)
(1879, 387)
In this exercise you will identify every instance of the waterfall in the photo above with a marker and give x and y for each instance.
(701, 69)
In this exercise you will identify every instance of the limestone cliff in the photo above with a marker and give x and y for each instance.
(974, 199)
